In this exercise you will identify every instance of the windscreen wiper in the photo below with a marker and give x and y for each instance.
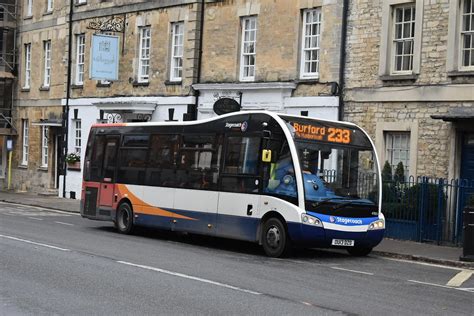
(326, 201)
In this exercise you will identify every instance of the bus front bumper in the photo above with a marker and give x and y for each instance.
(313, 236)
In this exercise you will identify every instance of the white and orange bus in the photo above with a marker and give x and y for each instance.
(274, 179)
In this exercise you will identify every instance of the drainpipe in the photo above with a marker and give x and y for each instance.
(68, 96)
(342, 61)
(198, 75)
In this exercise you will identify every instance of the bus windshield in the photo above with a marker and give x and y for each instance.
(339, 167)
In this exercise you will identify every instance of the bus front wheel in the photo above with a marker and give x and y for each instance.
(359, 251)
(275, 239)
(124, 221)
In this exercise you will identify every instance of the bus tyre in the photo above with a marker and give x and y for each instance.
(275, 239)
(359, 251)
(124, 221)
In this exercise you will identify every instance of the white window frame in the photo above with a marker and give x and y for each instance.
(47, 64)
(77, 124)
(81, 1)
(464, 34)
(391, 149)
(403, 39)
(144, 54)
(177, 49)
(44, 146)
(386, 44)
(310, 43)
(80, 58)
(25, 142)
(247, 54)
(27, 76)
(49, 5)
(29, 8)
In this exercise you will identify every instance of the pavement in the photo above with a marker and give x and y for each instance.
(399, 249)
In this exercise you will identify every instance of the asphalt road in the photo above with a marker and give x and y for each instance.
(58, 263)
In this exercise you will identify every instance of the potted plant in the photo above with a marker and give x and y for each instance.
(73, 161)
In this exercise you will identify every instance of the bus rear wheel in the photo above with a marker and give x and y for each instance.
(124, 220)
(275, 239)
(359, 251)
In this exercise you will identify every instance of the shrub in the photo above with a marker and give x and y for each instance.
(387, 172)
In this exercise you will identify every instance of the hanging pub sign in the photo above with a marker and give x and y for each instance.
(226, 105)
(104, 57)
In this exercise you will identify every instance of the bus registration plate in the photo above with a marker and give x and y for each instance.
(343, 242)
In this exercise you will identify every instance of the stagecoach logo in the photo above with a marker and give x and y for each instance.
(242, 126)
(345, 220)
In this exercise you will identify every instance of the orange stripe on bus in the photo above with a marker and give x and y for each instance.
(141, 207)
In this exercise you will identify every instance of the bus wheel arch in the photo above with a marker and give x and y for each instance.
(124, 218)
(273, 235)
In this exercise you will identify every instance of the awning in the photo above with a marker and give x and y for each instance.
(456, 114)
(48, 122)
(127, 107)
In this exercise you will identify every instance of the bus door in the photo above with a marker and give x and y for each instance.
(239, 197)
(107, 187)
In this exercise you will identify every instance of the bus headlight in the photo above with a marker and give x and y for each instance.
(311, 220)
(378, 224)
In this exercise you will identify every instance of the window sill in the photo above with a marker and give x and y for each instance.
(308, 80)
(141, 84)
(28, 17)
(461, 73)
(22, 166)
(77, 86)
(25, 90)
(42, 88)
(173, 83)
(48, 13)
(80, 4)
(43, 169)
(398, 77)
(103, 85)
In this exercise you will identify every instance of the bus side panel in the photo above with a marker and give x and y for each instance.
(201, 209)
(238, 215)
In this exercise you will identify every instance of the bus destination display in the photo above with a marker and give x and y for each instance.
(322, 133)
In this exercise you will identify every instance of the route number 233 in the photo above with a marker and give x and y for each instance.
(339, 135)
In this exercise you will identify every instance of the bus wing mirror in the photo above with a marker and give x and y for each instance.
(267, 155)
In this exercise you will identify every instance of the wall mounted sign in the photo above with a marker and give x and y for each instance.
(226, 105)
(113, 24)
(104, 57)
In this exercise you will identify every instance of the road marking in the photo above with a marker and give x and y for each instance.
(34, 243)
(22, 207)
(354, 271)
(467, 289)
(424, 264)
(443, 286)
(62, 223)
(460, 278)
(36, 219)
(190, 277)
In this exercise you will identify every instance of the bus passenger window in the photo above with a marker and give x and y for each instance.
(132, 165)
(242, 155)
(161, 170)
(198, 162)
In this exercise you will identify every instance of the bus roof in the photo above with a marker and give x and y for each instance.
(184, 123)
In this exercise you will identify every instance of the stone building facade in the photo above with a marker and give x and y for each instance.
(275, 55)
(54, 117)
(41, 42)
(158, 56)
(410, 83)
